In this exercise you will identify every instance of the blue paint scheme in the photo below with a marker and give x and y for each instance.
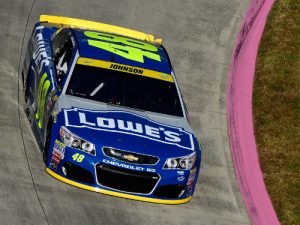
(34, 73)
(88, 51)
(155, 145)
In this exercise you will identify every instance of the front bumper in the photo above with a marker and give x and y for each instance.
(117, 194)
(113, 177)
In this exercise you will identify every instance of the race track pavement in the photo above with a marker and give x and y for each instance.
(199, 36)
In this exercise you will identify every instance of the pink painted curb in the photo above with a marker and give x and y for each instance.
(239, 115)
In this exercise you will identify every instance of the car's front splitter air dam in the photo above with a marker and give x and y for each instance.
(118, 194)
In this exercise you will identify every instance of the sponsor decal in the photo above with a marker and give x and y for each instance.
(180, 172)
(181, 178)
(130, 124)
(55, 119)
(40, 56)
(57, 156)
(54, 114)
(131, 167)
(59, 146)
(53, 165)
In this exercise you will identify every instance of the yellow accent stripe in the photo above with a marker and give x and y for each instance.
(117, 194)
(85, 24)
(125, 68)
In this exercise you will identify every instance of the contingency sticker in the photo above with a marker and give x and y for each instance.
(57, 154)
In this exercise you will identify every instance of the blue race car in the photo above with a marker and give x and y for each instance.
(106, 111)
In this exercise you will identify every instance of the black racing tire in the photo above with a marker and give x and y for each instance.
(47, 145)
(25, 86)
(26, 93)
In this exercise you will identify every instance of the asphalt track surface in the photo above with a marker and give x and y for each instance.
(199, 36)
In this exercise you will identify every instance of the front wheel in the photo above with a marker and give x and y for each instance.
(47, 145)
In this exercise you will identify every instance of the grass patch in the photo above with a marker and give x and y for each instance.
(276, 107)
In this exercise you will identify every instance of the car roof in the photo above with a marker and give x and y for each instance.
(88, 51)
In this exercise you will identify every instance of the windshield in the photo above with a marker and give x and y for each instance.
(125, 89)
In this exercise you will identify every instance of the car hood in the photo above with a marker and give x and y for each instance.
(126, 129)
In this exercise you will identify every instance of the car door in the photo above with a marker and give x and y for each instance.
(39, 80)
(63, 52)
(51, 78)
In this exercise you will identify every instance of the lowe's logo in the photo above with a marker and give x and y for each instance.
(130, 124)
(40, 56)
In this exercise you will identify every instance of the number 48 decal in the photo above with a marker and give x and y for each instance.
(131, 49)
(77, 157)
(42, 94)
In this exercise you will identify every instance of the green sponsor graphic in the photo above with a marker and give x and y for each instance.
(131, 49)
(42, 93)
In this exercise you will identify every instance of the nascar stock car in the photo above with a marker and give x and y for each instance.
(106, 111)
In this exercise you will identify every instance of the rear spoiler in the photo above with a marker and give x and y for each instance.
(85, 24)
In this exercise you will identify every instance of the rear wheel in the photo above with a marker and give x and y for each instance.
(25, 89)
(26, 85)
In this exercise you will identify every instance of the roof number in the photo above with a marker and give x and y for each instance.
(130, 49)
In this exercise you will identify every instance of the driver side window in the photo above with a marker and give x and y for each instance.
(62, 53)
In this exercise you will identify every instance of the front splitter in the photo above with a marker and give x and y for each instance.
(118, 194)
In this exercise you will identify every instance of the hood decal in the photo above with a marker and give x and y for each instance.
(130, 124)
